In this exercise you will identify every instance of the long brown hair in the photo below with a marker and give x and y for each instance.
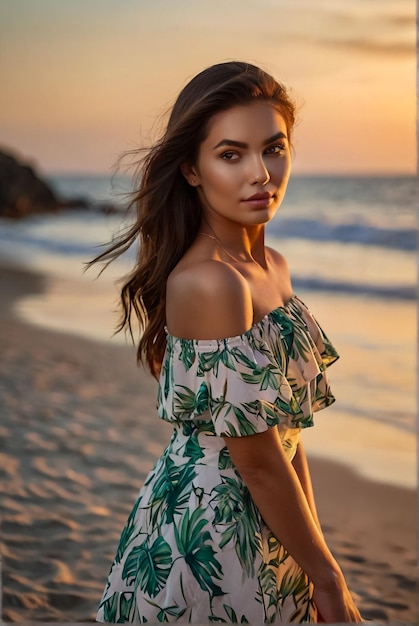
(168, 208)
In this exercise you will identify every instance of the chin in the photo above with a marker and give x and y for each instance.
(263, 217)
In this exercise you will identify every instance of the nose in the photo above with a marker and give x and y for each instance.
(259, 173)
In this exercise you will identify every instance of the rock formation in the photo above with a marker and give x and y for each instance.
(24, 193)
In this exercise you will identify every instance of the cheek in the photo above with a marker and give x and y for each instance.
(218, 179)
(283, 169)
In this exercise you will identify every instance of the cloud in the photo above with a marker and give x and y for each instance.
(364, 30)
(369, 45)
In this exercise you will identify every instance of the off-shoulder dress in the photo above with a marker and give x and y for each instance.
(195, 548)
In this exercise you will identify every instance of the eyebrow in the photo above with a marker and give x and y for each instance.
(242, 144)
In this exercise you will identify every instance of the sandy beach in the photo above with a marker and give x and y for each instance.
(78, 435)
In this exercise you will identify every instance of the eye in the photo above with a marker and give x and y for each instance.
(276, 149)
(230, 155)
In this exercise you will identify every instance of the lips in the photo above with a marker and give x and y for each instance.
(259, 200)
(259, 196)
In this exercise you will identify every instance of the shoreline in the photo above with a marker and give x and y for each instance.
(80, 433)
(364, 439)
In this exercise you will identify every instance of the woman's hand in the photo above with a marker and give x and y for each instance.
(335, 604)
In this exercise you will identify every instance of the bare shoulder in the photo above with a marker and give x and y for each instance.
(208, 300)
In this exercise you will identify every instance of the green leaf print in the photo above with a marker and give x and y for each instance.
(289, 407)
(247, 534)
(273, 545)
(227, 500)
(211, 361)
(148, 567)
(319, 396)
(267, 577)
(163, 414)
(189, 402)
(287, 329)
(236, 513)
(300, 348)
(185, 400)
(245, 426)
(303, 613)
(187, 353)
(110, 608)
(329, 354)
(119, 608)
(280, 357)
(265, 377)
(278, 316)
(224, 459)
(171, 491)
(241, 357)
(202, 399)
(282, 554)
(293, 581)
(167, 370)
(128, 533)
(127, 607)
(220, 406)
(233, 616)
(172, 611)
(193, 450)
(217, 406)
(270, 412)
(302, 599)
(192, 544)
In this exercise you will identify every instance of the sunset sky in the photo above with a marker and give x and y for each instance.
(84, 80)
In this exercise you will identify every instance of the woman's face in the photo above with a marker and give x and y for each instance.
(243, 165)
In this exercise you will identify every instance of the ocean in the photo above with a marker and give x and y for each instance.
(346, 235)
(351, 244)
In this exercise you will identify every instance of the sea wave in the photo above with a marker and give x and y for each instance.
(365, 234)
(399, 292)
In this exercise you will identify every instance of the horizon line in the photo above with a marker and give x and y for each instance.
(299, 174)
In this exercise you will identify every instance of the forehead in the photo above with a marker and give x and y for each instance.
(252, 122)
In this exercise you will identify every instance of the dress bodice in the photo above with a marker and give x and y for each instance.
(272, 374)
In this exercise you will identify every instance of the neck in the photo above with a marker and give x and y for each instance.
(244, 245)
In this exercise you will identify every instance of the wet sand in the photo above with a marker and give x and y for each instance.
(79, 433)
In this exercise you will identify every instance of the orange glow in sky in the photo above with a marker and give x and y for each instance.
(84, 81)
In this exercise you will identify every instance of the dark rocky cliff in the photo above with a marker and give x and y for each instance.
(24, 193)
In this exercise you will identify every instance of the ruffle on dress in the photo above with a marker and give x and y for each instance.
(272, 374)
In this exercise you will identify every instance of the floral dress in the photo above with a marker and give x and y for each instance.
(195, 548)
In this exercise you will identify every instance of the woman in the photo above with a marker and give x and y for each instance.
(225, 528)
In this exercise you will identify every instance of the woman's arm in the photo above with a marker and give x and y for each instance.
(279, 496)
(277, 492)
(300, 465)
